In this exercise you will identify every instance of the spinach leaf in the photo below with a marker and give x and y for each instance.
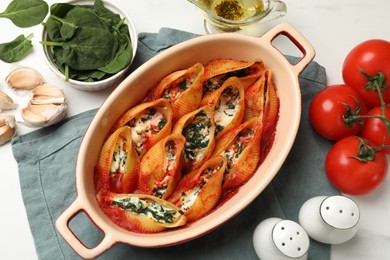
(105, 14)
(26, 13)
(76, 18)
(89, 49)
(16, 50)
(122, 57)
(53, 26)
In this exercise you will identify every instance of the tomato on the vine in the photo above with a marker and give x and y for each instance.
(354, 167)
(377, 130)
(332, 111)
(370, 57)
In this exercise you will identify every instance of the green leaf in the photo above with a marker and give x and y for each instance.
(89, 49)
(106, 14)
(122, 57)
(26, 13)
(16, 50)
(53, 26)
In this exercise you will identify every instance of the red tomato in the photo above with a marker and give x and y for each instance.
(351, 175)
(371, 56)
(328, 108)
(375, 129)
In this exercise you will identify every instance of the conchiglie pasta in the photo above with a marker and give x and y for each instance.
(255, 99)
(196, 137)
(150, 122)
(183, 89)
(271, 114)
(198, 128)
(144, 213)
(217, 71)
(199, 191)
(229, 105)
(160, 168)
(118, 163)
(241, 148)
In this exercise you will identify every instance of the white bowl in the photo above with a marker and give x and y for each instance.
(105, 83)
(131, 91)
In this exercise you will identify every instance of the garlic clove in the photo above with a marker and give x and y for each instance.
(43, 115)
(7, 128)
(6, 102)
(24, 78)
(47, 94)
(47, 106)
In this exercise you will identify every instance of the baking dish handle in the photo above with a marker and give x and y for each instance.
(297, 39)
(62, 225)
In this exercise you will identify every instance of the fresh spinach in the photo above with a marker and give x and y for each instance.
(88, 43)
(26, 13)
(16, 50)
(122, 58)
(90, 49)
(78, 18)
(53, 26)
(110, 17)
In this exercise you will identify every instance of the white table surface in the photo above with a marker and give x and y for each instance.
(333, 27)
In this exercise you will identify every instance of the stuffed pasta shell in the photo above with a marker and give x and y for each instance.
(142, 213)
(118, 164)
(241, 148)
(271, 114)
(183, 89)
(200, 190)
(150, 122)
(198, 129)
(218, 71)
(229, 105)
(160, 168)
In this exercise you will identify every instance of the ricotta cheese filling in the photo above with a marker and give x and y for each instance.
(145, 126)
(119, 157)
(188, 198)
(148, 208)
(178, 87)
(226, 108)
(233, 152)
(170, 161)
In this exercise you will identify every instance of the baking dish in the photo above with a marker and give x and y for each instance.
(133, 89)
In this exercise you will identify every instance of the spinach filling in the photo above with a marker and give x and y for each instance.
(175, 90)
(197, 135)
(216, 82)
(146, 207)
(226, 105)
(160, 188)
(148, 116)
(237, 147)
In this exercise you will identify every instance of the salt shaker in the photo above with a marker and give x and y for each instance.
(330, 219)
(278, 239)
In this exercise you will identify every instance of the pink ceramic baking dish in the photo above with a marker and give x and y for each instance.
(135, 86)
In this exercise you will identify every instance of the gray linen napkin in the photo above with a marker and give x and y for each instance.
(46, 160)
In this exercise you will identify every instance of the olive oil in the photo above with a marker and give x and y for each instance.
(235, 9)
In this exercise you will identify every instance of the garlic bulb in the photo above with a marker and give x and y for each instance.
(24, 78)
(6, 102)
(47, 106)
(7, 128)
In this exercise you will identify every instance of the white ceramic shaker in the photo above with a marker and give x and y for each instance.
(277, 239)
(330, 219)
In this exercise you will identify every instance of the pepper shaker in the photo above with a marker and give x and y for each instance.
(330, 219)
(278, 239)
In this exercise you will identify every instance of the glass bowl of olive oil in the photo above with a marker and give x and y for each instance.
(236, 15)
